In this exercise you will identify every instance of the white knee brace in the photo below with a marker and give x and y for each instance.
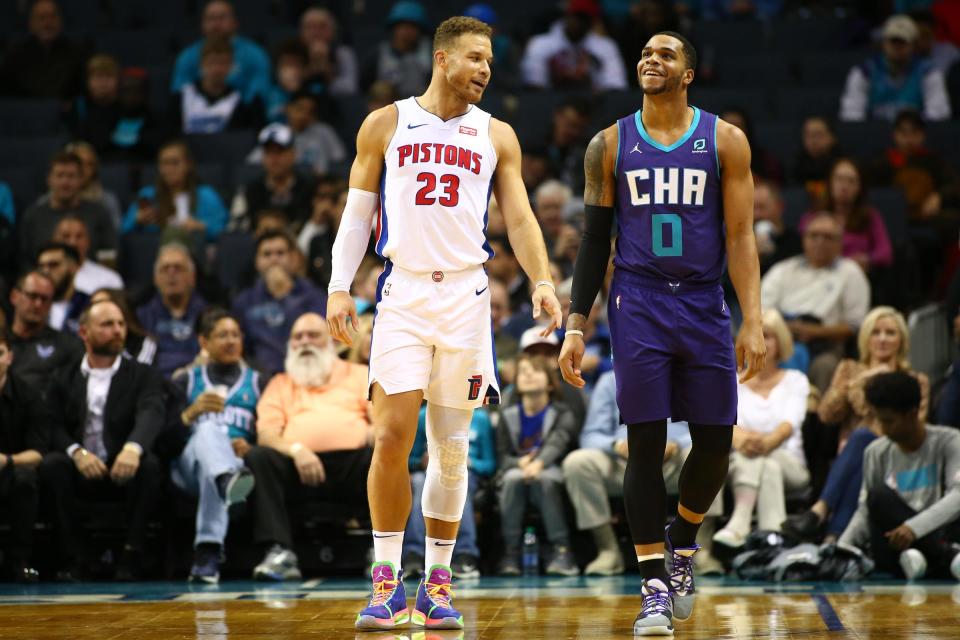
(448, 445)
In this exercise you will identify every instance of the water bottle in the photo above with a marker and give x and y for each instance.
(531, 553)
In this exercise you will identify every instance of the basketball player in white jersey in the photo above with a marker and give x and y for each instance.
(428, 164)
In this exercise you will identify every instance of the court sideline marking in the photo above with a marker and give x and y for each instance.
(828, 613)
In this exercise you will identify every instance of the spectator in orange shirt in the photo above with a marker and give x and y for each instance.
(313, 441)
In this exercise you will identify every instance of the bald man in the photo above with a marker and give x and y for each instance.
(313, 441)
(108, 410)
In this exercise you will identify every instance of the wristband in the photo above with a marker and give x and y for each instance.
(295, 448)
(545, 283)
(573, 332)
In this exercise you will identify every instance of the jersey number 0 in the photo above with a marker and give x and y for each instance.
(451, 189)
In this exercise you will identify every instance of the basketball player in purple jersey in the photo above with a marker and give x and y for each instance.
(678, 181)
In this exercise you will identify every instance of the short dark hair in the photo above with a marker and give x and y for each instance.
(69, 252)
(66, 157)
(216, 46)
(689, 51)
(909, 117)
(22, 280)
(209, 319)
(273, 235)
(292, 48)
(897, 391)
(582, 105)
(452, 28)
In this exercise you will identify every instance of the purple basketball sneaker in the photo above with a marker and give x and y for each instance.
(682, 587)
(433, 609)
(388, 603)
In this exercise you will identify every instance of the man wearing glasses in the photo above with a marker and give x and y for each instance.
(38, 349)
(823, 296)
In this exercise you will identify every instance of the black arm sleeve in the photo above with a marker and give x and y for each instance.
(591, 265)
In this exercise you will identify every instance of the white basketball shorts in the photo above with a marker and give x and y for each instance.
(432, 331)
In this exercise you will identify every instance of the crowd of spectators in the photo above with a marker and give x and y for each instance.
(161, 333)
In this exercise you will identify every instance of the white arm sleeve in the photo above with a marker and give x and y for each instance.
(352, 238)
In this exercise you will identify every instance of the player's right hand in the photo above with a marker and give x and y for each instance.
(571, 354)
(340, 306)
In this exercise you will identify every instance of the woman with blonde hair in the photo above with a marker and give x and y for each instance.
(884, 346)
(768, 456)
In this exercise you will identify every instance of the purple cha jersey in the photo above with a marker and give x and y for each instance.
(669, 206)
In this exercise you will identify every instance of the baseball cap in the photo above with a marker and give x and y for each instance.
(407, 11)
(277, 134)
(532, 338)
(901, 27)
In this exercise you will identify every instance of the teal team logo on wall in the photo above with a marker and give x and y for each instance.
(700, 145)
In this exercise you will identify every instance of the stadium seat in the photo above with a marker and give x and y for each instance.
(118, 178)
(710, 36)
(819, 69)
(796, 202)
(137, 48)
(29, 152)
(781, 138)
(223, 148)
(235, 255)
(26, 183)
(749, 71)
(796, 103)
(892, 205)
(138, 251)
(23, 117)
(864, 139)
(798, 36)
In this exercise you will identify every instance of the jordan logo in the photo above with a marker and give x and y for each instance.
(636, 149)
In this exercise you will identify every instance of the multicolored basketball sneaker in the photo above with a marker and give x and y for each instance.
(388, 603)
(656, 610)
(682, 588)
(433, 609)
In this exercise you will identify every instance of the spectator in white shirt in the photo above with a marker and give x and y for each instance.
(72, 231)
(571, 56)
(768, 457)
(823, 296)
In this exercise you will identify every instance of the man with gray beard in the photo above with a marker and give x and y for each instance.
(313, 441)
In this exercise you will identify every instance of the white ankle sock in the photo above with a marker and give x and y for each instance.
(439, 551)
(388, 547)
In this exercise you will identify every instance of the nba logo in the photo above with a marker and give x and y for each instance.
(618, 302)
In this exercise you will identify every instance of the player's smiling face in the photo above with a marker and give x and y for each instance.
(662, 67)
(466, 65)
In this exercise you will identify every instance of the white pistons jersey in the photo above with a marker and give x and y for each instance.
(434, 191)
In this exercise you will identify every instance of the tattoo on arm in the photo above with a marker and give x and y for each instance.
(593, 191)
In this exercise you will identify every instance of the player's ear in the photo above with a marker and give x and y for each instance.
(688, 77)
(439, 57)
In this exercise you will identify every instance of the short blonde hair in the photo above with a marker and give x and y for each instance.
(870, 322)
(452, 28)
(771, 319)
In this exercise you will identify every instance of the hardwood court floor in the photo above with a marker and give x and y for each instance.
(494, 610)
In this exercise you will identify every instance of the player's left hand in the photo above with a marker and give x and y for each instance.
(751, 351)
(901, 538)
(546, 298)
